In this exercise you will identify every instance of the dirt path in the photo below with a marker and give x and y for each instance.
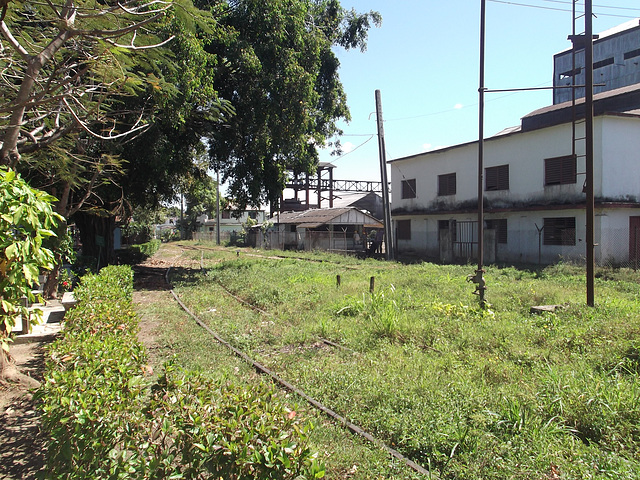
(23, 447)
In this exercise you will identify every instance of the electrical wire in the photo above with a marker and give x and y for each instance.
(371, 136)
(541, 7)
(564, 2)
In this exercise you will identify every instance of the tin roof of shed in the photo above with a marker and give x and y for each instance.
(322, 216)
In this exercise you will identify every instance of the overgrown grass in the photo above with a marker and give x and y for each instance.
(471, 393)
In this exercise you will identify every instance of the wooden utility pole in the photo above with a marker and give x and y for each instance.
(588, 101)
(388, 232)
(478, 277)
(218, 206)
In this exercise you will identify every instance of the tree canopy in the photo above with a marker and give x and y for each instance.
(64, 62)
(110, 104)
(281, 75)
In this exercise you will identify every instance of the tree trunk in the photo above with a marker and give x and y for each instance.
(10, 374)
(96, 234)
(51, 285)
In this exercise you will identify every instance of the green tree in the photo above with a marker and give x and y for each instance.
(200, 198)
(63, 61)
(26, 220)
(281, 75)
(139, 82)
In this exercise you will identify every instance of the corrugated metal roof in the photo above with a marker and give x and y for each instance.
(596, 98)
(324, 216)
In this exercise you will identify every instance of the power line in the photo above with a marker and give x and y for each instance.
(452, 109)
(356, 148)
(541, 7)
(564, 2)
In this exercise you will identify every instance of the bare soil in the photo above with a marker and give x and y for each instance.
(23, 446)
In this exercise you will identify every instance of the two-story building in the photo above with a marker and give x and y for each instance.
(535, 208)
(231, 221)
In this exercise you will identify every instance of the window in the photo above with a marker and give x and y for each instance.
(496, 178)
(447, 184)
(632, 54)
(403, 229)
(559, 231)
(409, 188)
(253, 215)
(560, 170)
(226, 214)
(500, 226)
(603, 63)
(444, 225)
(571, 73)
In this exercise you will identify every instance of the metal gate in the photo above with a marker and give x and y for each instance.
(634, 241)
(465, 240)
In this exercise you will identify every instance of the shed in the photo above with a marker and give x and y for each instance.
(333, 229)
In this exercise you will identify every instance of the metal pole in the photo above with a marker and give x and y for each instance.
(478, 279)
(385, 184)
(588, 63)
(218, 206)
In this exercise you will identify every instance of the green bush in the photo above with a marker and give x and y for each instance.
(104, 421)
(204, 425)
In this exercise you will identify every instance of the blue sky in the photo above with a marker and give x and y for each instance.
(425, 61)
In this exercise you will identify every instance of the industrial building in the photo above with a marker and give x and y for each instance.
(535, 208)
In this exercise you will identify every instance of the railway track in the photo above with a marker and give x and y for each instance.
(262, 369)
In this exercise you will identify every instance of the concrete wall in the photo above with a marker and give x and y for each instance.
(616, 139)
(525, 241)
(620, 140)
(523, 152)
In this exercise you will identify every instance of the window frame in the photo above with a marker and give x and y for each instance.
(500, 225)
(498, 176)
(560, 170)
(408, 188)
(447, 184)
(559, 231)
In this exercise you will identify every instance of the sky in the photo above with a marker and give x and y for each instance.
(424, 59)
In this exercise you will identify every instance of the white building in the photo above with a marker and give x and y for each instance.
(231, 222)
(534, 203)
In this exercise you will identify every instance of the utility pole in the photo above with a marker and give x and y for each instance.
(588, 101)
(478, 277)
(218, 205)
(388, 233)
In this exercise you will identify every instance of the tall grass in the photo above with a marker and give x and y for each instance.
(472, 393)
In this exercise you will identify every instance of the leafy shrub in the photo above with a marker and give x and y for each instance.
(94, 389)
(114, 283)
(26, 221)
(200, 424)
(104, 423)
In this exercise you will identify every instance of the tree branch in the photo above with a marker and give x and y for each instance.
(86, 128)
(12, 40)
(146, 47)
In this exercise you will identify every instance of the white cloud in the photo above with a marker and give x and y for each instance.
(458, 106)
(427, 147)
(347, 147)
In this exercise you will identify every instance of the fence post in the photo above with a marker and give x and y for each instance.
(372, 284)
(637, 253)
